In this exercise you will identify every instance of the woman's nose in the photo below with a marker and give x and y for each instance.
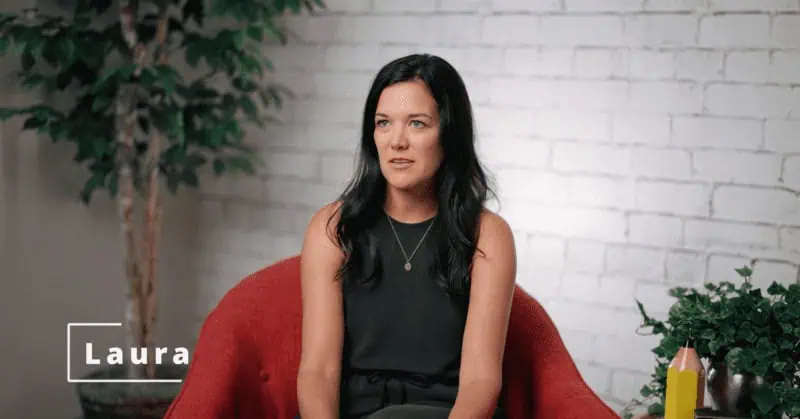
(399, 140)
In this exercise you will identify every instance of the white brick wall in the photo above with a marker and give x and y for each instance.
(637, 145)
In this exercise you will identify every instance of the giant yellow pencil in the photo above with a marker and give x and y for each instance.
(685, 385)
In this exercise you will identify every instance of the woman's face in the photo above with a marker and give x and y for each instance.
(407, 135)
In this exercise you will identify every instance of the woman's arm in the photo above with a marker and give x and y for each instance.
(320, 363)
(491, 291)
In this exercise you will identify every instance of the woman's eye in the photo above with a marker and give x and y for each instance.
(417, 124)
(381, 123)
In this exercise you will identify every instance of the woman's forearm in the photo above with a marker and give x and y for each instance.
(317, 395)
(476, 400)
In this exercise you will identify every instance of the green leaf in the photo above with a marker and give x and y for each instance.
(67, 48)
(193, 55)
(760, 367)
(714, 346)
(249, 107)
(168, 77)
(63, 80)
(708, 334)
(219, 167)
(50, 54)
(190, 178)
(160, 120)
(776, 289)
(779, 366)
(276, 33)
(33, 123)
(275, 92)
(193, 10)
(229, 104)
(656, 409)
(94, 182)
(8, 113)
(255, 32)
(787, 344)
(122, 74)
(28, 60)
(33, 80)
(793, 311)
(294, 5)
(100, 103)
(746, 334)
(728, 331)
(82, 21)
(148, 78)
(244, 84)
(267, 63)
(126, 72)
(172, 183)
(765, 399)
(113, 184)
(744, 272)
(195, 160)
(100, 6)
(238, 39)
(250, 64)
(241, 163)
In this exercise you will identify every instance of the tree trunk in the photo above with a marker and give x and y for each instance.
(152, 222)
(126, 120)
(126, 196)
(141, 271)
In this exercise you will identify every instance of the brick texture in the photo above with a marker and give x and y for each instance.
(637, 145)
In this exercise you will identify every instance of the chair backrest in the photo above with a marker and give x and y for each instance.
(271, 300)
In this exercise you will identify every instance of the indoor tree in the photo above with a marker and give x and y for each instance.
(149, 93)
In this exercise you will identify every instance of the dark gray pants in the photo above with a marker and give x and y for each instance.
(408, 411)
(411, 411)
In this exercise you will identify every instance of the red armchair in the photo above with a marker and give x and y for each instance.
(245, 362)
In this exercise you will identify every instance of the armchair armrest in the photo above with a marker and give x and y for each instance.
(223, 381)
(568, 397)
(557, 389)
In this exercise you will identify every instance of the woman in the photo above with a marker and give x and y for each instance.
(407, 279)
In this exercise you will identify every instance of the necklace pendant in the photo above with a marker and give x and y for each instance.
(407, 266)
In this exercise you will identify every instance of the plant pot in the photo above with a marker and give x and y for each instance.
(732, 394)
(151, 400)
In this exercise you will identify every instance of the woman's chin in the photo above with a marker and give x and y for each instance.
(403, 186)
(407, 185)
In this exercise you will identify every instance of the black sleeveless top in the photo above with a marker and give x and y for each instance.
(403, 335)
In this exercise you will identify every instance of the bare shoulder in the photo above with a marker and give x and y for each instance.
(323, 222)
(496, 235)
(320, 237)
(327, 215)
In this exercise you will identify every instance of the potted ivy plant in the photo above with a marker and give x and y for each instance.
(143, 126)
(739, 331)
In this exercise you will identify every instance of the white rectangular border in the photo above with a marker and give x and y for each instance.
(101, 380)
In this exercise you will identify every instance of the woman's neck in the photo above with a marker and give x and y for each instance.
(410, 206)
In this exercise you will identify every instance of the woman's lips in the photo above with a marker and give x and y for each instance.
(400, 162)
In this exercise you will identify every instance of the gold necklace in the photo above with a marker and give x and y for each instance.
(407, 266)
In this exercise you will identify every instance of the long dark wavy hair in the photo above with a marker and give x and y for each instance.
(461, 184)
